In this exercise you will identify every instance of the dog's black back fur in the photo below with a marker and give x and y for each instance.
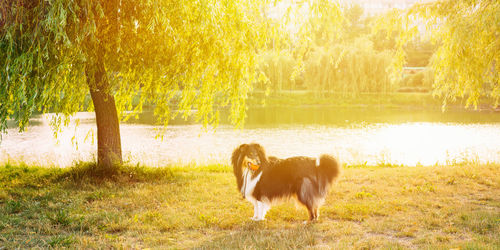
(285, 177)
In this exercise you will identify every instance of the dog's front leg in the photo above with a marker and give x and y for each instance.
(265, 208)
(261, 210)
(255, 210)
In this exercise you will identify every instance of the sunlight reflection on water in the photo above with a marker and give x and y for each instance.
(411, 143)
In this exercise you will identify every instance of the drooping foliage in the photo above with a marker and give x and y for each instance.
(466, 32)
(329, 52)
(154, 50)
(278, 66)
(177, 56)
(348, 69)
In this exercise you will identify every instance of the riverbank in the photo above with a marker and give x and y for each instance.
(369, 207)
(395, 100)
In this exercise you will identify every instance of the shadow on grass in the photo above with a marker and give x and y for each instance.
(88, 172)
(94, 173)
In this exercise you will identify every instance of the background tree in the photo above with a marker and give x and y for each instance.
(53, 53)
(467, 60)
(353, 26)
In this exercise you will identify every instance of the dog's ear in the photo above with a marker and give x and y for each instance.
(261, 152)
(236, 161)
(235, 157)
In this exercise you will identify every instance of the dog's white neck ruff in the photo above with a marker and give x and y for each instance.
(249, 184)
(260, 208)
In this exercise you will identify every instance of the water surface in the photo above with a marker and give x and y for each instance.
(355, 136)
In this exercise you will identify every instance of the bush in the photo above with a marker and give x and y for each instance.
(423, 79)
(417, 80)
(428, 80)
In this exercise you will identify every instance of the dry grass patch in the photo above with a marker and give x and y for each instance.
(394, 208)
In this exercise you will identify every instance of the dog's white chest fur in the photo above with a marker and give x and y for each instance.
(249, 184)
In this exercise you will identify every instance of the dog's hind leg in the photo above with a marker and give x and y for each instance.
(306, 197)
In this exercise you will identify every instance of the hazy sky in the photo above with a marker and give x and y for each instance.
(379, 6)
(370, 6)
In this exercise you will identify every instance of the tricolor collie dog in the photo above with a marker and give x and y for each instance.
(263, 180)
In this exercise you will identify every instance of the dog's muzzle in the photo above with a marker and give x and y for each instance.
(252, 166)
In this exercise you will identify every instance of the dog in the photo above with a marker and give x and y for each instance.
(264, 180)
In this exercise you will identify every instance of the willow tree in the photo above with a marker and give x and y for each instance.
(467, 33)
(54, 52)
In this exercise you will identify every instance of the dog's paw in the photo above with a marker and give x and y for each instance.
(257, 219)
(309, 222)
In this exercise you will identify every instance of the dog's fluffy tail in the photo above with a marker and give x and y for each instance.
(328, 171)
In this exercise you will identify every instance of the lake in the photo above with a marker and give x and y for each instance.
(353, 135)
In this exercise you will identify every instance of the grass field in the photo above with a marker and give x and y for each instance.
(441, 207)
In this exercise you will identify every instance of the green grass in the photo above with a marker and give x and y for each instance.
(440, 207)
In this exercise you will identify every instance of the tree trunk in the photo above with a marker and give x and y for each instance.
(109, 149)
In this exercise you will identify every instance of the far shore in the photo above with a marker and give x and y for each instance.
(404, 100)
